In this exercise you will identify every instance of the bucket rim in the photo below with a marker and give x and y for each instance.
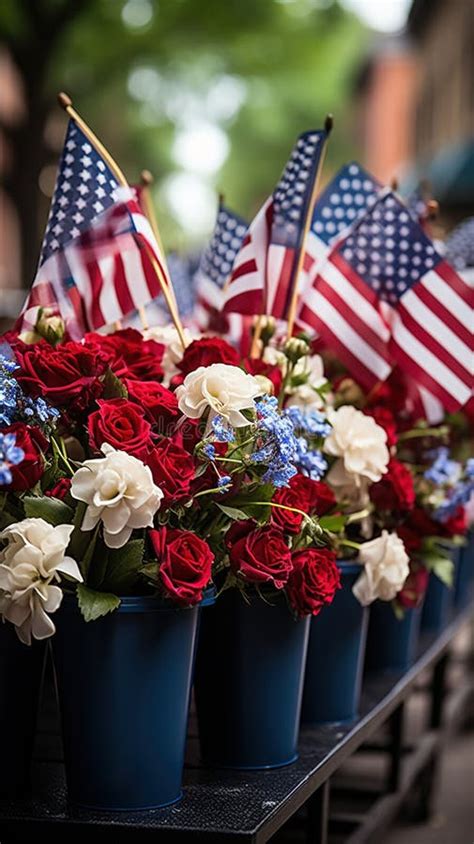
(143, 603)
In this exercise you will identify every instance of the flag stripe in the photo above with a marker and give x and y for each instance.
(437, 336)
(426, 367)
(362, 306)
(431, 344)
(425, 293)
(448, 298)
(322, 315)
(347, 312)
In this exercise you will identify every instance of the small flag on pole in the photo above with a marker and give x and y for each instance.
(216, 264)
(389, 262)
(264, 271)
(96, 258)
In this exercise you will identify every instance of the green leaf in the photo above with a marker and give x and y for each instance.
(52, 510)
(333, 523)
(94, 604)
(442, 567)
(398, 610)
(114, 388)
(261, 495)
(123, 566)
(233, 512)
(150, 572)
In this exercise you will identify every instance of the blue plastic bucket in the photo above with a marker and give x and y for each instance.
(437, 605)
(335, 659)
(391, 642)
(249, 682)
(21, 673)
(464, 582)
(124, 686)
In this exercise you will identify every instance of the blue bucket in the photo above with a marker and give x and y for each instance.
(437, 605)
(464, 582)
(336, 656)
(21, 673)
(391, 643)
(124, 687)
(249, 682)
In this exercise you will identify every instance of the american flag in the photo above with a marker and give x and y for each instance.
(264, 271)
(96, 260)
(344, 200)
(389, 259)
(215, 265)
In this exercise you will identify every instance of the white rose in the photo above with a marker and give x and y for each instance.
(173, 354)
(119, 491)
(31, 562)
(359, 441)
(386, 567)
(225, 389)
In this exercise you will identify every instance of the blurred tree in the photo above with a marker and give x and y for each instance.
(202, 93)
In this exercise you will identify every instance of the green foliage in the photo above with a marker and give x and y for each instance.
(52, 510)
(114, 388)
(261, 71)
(251, 505)
(123, 567)
(441, 565)
(333, 524)
(94, 604)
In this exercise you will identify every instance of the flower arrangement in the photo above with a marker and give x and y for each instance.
(168, 469)
(116, 484)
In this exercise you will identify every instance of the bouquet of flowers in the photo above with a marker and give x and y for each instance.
(113, 484)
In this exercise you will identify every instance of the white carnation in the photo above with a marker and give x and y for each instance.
(30, 564)
(386, 567)
(359, 442)
(119, 491)
(226, 390)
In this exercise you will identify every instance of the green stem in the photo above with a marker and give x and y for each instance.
(423, 432)
(350, 544)
(59, 454)
(280, 507)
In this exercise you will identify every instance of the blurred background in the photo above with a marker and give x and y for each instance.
(210, 96)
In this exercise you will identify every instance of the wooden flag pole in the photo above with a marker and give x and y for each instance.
(66, 103)
(146, 180)
(328, 124)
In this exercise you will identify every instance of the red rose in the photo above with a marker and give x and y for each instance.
(287, 520)
(121, 424)
(395, 490)
(313, 581)
(27, 473)
(60, 489)
(128, 354)
(256, 366)
(259, 555)
(385, 418)
(173, 470)
(414, 587)
(206, 351)
(302, 494)
(67, 375)
(185, 564)
(412, 540)
(319, 495)
(456, 524)
(159, 404)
